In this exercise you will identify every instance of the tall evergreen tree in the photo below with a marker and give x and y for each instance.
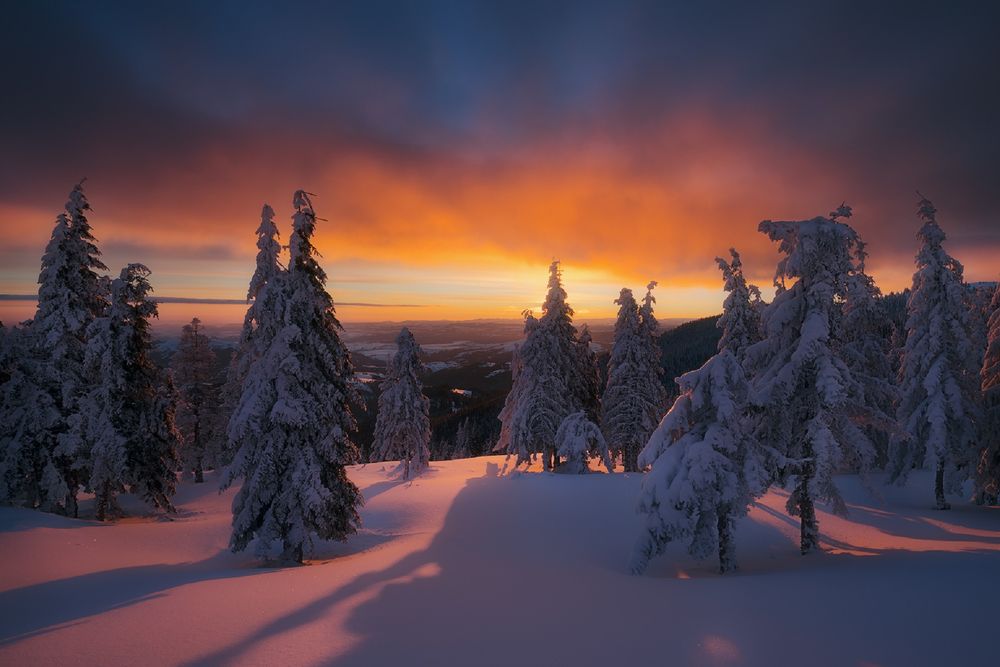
(740, 320)
(590, 375)
(939, 378)
(402, 427)
(621, 404)
(294, 417)
(30, 416)
(260, 326)
(634, 395)
(807, 397)
(651, 382)
(988, 479)
(128, 414)
(194, 369)
(70, 296)
(548, 380)
(706, 464)
(866, 348)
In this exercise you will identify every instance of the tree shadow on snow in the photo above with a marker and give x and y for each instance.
(533, 553)
(41, 608)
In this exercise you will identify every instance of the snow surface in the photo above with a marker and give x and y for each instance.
(464, 566)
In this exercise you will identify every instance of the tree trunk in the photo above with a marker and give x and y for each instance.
(630, 459)
(808, 526)
(727, 551)
(72, 506)
(406, 468)
(292, 553)
(941, 503)
(102, 500)
(199, 472)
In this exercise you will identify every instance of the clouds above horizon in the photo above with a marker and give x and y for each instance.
(632, 140)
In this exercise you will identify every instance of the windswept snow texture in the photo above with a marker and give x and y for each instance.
(465, 567)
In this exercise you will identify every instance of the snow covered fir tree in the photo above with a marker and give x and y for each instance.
(866, 349)
(939, 383)
(551, 380)
(706, 465)
(293, 422)
(127, 416)
(579, 440)
(809, 403)
(634, 397)
(42, 462)
(403, 429)
(260, 326)
(988, 472)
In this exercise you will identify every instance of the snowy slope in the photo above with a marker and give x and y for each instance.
(465, 567)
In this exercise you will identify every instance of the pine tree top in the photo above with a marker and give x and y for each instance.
(555, 309)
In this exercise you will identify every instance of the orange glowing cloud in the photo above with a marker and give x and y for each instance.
(468, 233)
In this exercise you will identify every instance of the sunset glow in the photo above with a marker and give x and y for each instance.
(450, 172)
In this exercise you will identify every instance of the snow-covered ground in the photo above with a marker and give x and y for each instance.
(465, 566)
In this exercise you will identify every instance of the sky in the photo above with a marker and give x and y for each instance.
(456, 148)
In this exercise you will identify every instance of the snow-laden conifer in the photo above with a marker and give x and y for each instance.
(70, 296)
(30, 416)
(128, 414)
(988, 479)
(740, 320)
(260, 326)
(548, 380)
(651, 382)
(634, 396)
(806, 395)
(706, 464)
(402, 426)
(621, 404)
(577, 441)
(590, 375)
(294, 418)
(866, 348)
(939, 378)
(194, 370)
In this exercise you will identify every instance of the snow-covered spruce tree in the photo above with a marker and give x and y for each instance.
(29, 416)
(634, 396)
(548, 380)
(651, 382)
(260, 326)
(706, 464)
(294, 417)
(808, 401)
(590, 375)
(939, 377)
(740, 320)
(621, 404)
(578, 440)
(194, 368)
(988, 478)
(70, 296)
(128, 414)
(867, 335)
(402, 427)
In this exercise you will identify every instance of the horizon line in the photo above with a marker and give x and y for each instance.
(228, 302)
